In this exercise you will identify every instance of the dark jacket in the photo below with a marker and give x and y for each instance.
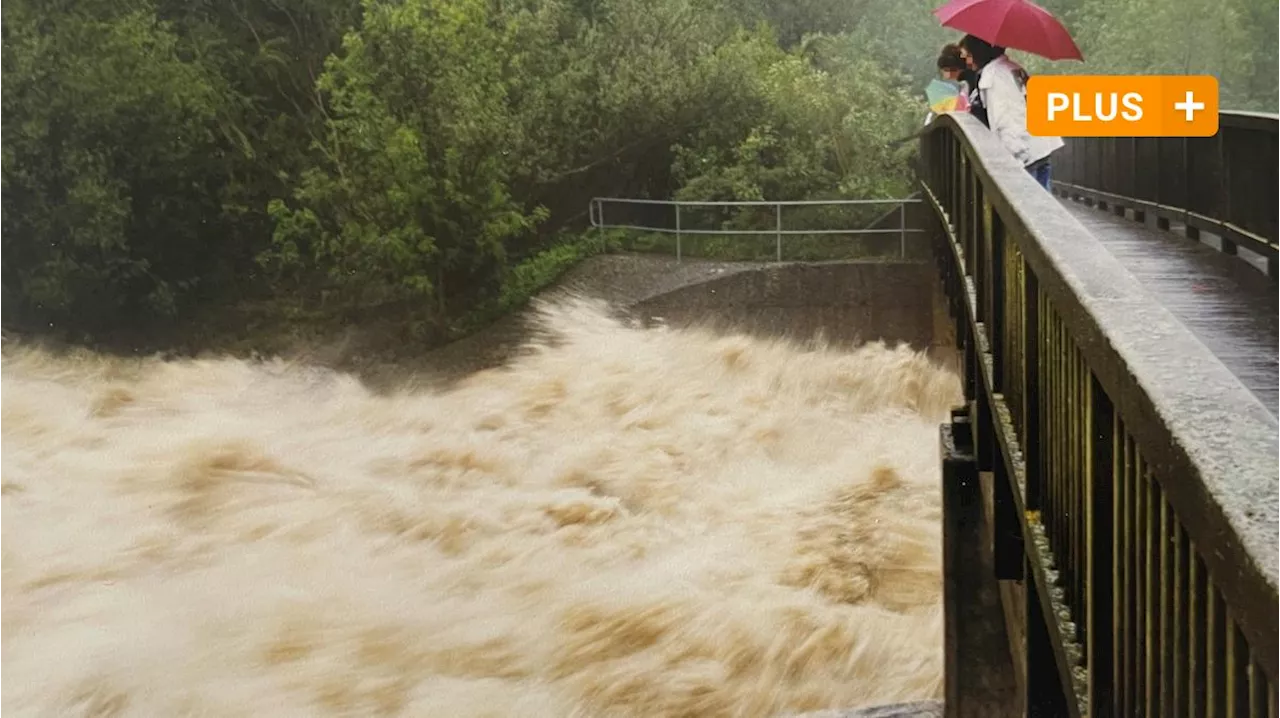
(976, 108)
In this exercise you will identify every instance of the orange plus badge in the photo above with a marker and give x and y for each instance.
(1122, 105)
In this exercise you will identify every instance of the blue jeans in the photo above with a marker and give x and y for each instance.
(1042, 171)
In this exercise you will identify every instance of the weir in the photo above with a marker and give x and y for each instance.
(888, 290)
(845, 303)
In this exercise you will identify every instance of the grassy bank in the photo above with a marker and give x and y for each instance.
(764, 247)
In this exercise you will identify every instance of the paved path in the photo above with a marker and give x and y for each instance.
(1225, 301)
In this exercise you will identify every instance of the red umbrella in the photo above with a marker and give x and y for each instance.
(1015, 24)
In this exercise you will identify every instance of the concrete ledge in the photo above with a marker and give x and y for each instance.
(845, 303)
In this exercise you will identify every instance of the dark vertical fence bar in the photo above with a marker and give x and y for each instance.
(1136, 575)
(1101, 583)
(1225, 185)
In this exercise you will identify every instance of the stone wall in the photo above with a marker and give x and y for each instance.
(846, 302)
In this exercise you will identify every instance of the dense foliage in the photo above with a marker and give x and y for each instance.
(1233, 40)
(434, 158)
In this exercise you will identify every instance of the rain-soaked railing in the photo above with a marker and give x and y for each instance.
(1110, 488)
(1223, 185)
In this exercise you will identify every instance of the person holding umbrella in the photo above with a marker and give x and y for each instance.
(994, 25)
(1003, 95)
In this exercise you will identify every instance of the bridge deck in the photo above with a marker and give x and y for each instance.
(1227, 304)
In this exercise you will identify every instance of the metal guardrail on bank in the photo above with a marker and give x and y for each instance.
(1122, 482)
(1223, 185)
(597, 216)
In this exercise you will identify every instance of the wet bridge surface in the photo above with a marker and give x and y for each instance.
(1226, 301)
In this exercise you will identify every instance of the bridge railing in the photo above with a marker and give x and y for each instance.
(1117, 479)
(675, 219)
(1223, 185)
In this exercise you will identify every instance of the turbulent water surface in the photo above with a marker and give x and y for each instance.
(625, 522)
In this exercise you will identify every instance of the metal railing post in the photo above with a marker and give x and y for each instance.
(779, 228)
(678, 248)
(902, 233)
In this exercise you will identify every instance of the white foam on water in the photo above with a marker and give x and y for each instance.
(624, 522)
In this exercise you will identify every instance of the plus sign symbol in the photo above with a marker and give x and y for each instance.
(1189, 106)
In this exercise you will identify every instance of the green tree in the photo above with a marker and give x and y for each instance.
(113, 161)
(823, 128)
(1235, 41)
(410, 202)
(269, 55)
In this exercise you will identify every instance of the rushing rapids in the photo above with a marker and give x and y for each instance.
(622, 522)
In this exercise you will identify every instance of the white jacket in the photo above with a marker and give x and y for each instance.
(1005, 98)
